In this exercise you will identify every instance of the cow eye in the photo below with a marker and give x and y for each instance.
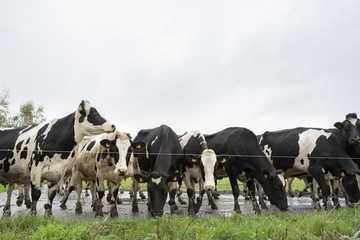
(110, 164)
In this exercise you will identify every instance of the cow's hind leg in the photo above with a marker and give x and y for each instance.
(6, 210)
(251, 186)
(235, 191)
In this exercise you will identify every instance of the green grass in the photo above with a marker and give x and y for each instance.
(334, 224)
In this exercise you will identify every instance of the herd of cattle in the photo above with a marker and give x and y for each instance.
(84, 146)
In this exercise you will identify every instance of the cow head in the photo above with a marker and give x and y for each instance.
(273, 184)
(350, 128)
(351, 183)
(89, 122)
(122, 144)
(157, 187)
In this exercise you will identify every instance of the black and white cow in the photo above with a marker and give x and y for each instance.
(247, 157)
(41, 152)
(312, 151)
(198, 167)
(158, 155)
(96, 159)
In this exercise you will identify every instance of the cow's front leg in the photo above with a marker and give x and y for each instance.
(211, 200)
(101, 193)
(320, 183)
(335, 184)
(113, 201)
(135, 188)
(173, 186)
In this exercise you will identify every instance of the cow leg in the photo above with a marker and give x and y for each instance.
(251, 186)
(190, 188)
(246, 193)
(235, 191)
(109, 195)
(101, 193)
(262, 195)
(173, 187)
(113, 209)
(335, 185)
(20, 197)
(6, 210)
(135, 187)
(179, 193)
(52, 188)
(27, 195)
(289, 182)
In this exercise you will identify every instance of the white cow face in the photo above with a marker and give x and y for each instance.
(123, 143)
(208, 160)
(89, 122)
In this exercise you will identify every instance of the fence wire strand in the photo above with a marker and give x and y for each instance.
(186, 154)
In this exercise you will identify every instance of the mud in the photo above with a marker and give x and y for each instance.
(225, 206)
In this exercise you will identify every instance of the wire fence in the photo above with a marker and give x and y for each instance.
(186, 154)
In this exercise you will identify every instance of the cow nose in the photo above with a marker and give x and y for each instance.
(156, 213)
(209, 187)
(121, 172)
(355, 140)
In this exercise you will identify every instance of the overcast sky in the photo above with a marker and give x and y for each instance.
(206, 65)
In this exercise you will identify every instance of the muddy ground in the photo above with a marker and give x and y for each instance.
(225, 206)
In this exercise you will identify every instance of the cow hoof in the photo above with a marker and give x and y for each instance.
(6, 213)
(291, 194)
(28, 204)
(214, 206)
(173, 209)
(113, 211)
(108, 198)
(119, 201)
(48, 212)
(317, 206)
(78, 208)
(19, 202)
(63, 206)
(142, 196)
(99, 214)
(135, 208)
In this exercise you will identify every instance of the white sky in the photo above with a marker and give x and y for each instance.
(207, 65)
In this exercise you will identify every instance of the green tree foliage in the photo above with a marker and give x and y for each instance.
(4, 107)
(28, 113)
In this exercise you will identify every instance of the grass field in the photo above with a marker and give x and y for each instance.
(334, 224)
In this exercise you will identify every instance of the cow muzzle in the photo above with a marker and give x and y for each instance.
(209, 187)
(121, 171)
(156, 213)
(355, 141)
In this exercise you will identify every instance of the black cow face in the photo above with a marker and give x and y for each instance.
(351, 187)
(157, 186)
(351, 128)
(274, 187)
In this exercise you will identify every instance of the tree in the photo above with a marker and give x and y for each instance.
(28, 115)
(4, 107)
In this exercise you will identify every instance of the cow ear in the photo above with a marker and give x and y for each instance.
(223, 159)
(106, 143)
(265, 173)
(339, 125)
(141, 178)
(82, 107)
(174, 177)
(195, 159)
(138, 145)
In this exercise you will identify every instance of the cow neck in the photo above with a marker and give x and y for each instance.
(341, 135)
(63, 132)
